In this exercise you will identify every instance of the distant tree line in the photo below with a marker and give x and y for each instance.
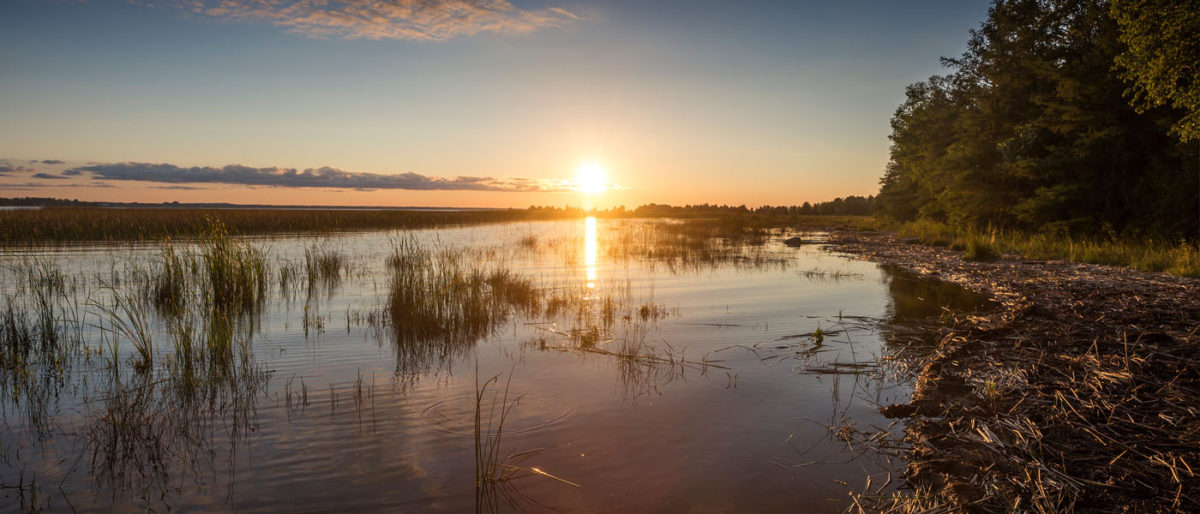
(850, 205)
(31, 201)
(1072, 116)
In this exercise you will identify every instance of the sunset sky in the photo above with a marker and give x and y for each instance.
(459, 103)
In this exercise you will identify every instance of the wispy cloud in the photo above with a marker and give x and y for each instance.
(49, 176)
(431, 20)
(6, 168)
(28, 186)
(324, 177)
(49, 161)
(181, 188)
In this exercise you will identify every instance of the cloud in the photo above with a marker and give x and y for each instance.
(181, 188)
(49, 176)
(52, 161)
(324, 177)
(29, 186)
(6, 168)
(427, 20)
(71, 172)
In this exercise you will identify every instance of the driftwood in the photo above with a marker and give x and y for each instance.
(1082, 391)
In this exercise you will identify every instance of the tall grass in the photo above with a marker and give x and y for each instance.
(40, 336)
(170, 286)
(1177, 258)
(236, 272)
(440, 301)
(323, 266)
(128, 319)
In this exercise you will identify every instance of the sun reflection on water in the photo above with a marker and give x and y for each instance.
(589, 251)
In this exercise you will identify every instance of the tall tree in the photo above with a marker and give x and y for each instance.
(1162, 57)
(1033, 130)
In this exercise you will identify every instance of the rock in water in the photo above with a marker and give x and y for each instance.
(797, 241)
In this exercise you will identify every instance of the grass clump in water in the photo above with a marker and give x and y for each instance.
(171, 285)
(323, 266)
(440, 301)
(235, 272)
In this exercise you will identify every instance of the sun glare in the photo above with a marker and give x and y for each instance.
(591, 178)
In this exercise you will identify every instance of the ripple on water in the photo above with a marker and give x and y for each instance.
(531, 412)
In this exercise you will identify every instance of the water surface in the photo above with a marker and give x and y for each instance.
(665, 381)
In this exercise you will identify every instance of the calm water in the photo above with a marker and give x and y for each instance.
(728, 401)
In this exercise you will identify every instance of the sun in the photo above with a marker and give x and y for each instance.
(591, 178)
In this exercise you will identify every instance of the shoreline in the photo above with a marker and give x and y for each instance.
(1081, 390)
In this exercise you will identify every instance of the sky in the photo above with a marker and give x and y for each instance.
(479, 103)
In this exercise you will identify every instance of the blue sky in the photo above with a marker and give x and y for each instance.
(683, 102)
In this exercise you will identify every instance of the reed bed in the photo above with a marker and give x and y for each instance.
(50, 224)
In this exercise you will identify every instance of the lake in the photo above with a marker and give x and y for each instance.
(582, 365)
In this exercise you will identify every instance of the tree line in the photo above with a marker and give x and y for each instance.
(1072, 116)
(850, 205)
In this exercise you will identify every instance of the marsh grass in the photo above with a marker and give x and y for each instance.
(128, 319)
(441, 301)
(40, 338)
(170, 284)
(1177, 258)
(61, 224)
(235, 272)
(323, 267)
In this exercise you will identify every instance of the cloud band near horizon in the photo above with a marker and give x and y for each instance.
(429, 20)
(323, 177)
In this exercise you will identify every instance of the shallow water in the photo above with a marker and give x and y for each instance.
(731, 402)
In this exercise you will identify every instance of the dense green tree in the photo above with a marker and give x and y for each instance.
(1162, 57)
(1033, 130)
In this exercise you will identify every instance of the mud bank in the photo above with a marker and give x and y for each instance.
(1080, 391)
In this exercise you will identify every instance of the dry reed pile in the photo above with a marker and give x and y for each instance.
(1082, 392)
